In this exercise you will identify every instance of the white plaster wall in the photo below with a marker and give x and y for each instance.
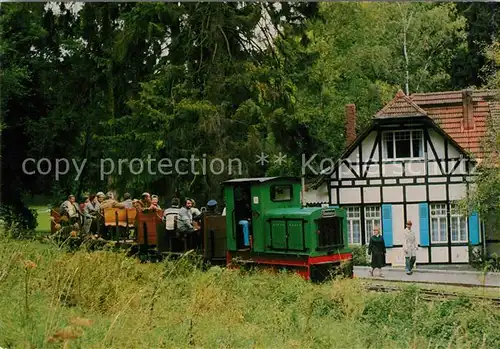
(371, 194)
(413, 169)
(373, 171)
(350, 195)
(437, 192)
(334, 198)
(437, 180)
(392, 170)
(395, 256)
(367, 146)
(453, 152)
(415, 193)
(438, 142)
(345, 173)
(414, 216)
(439, 254)
(354, 156)
(397, 224)
(434, 168)
(393, 194)
(422, 254)
(457, 191)
(460, 170)
(459, 254)
(406, 180)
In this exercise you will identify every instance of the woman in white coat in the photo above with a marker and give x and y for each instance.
(410, 248)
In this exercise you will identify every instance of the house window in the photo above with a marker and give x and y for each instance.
(458, 225)
(439, 231)
(372, 220)
(403, 144)
(354, 225)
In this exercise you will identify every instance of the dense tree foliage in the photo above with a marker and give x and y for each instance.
(211, 80)
(484, 196)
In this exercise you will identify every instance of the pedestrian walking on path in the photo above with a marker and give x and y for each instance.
(409, 248)
(376, 249)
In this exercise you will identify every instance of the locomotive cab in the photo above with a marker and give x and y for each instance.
(267, 225)
(247, 200)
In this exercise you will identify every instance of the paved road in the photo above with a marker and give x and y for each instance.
(457, 277)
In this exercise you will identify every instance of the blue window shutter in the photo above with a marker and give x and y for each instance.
(423, 210)
(387, 225)
(474, 228)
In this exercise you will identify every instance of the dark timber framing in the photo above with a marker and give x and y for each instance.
(446, 172)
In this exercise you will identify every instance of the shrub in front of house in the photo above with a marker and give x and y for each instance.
(360, 255)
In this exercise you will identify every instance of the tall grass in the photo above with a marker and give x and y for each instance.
(53, 299)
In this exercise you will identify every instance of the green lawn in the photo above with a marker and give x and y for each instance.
(43, 218)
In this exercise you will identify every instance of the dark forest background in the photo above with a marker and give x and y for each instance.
(125, 80)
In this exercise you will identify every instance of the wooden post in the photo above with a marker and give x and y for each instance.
(303, 191)
(127, 229)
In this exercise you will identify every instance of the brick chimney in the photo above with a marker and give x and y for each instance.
(350, 123)
(468, 110)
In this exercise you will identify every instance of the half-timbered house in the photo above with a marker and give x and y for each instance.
(414, 162)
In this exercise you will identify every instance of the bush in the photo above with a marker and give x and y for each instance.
(18, 221)
(482, 262)
(359, 255)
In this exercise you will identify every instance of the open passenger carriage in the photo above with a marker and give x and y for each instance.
(265, 226)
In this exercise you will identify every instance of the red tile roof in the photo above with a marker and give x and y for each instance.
(446, 109)
(400, 106)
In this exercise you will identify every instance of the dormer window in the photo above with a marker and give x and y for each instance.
(403, 144)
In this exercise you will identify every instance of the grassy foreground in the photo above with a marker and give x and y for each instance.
(53, 299)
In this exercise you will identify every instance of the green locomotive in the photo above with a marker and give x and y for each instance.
(266, 225)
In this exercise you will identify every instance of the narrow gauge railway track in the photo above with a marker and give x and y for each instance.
(435, 295)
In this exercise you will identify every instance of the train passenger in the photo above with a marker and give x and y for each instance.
(185, 219)
(187, 228)
(92, 214)
(127, 201)
(170, 213)
(410, 248)
(146, 200)
(376, 249)
(169, 216)
(154, 202)
(110, 202)
(70, 209)
(145, 203)
(100, 197)
(84, 201)
(195, 212)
